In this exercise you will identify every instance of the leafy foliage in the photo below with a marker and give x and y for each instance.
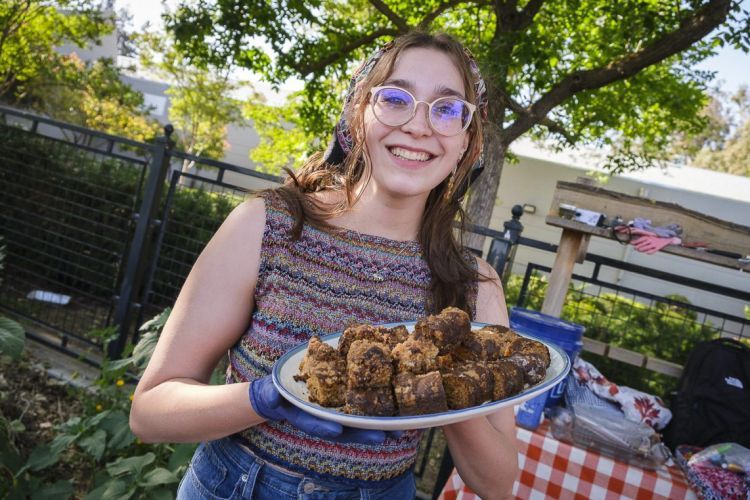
(12, 334)
(92, 95)
(667, 330)
(732, 155)
(201, 106)
(12, 337)
(34, 74)
(284, 142)
(30, 30)
(616, 74)
(101, 437)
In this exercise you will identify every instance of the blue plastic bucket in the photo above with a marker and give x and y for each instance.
(564, 334)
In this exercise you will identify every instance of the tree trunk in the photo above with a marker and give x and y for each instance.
(185, 169)
(484, 191)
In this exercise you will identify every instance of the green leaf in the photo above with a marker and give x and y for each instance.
(48, 454)
(60, 490)
(119, 364)
(181, 455)
(41, 457)
(157, 322)
(113, 489)
(96, 419)
(131, 465)
(11, 459)
(94, 444)
(118, 429)
(158, 476)
(12, 336)
(160, 494)
(16, 427)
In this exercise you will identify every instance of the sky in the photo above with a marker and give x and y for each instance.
(732, 66)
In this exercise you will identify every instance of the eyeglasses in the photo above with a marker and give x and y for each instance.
(394, 106)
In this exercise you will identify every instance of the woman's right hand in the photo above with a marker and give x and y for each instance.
(271, 405)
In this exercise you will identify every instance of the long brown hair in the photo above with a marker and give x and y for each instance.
(453, 273)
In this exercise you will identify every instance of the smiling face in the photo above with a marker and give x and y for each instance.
(412, 159)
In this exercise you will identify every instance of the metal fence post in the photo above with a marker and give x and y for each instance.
(502, 250)
(135, 266)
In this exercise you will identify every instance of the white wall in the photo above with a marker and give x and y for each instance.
(107, 47)
(533, 180)
(240, 141)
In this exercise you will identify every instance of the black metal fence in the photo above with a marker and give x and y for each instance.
(66, 227)
(83, 218)
(621, 308)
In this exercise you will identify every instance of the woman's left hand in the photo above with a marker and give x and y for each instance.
(268, 402)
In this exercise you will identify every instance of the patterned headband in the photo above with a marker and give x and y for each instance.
(342, 142)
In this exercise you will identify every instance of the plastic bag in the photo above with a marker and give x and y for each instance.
(594, 428)
(729, 456)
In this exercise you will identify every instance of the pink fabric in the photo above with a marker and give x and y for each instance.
(652, 244)
(647, 241)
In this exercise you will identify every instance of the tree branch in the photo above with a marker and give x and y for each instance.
(508, 19)
(557, 128)
(429, 18)
(690, 31)
(526, 16)
(504, 12)
(402, 25)
(341, 52)
(508, 102)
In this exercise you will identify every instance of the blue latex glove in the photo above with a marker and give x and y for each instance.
(271, 405)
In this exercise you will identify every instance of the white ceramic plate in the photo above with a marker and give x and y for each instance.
(287, 367)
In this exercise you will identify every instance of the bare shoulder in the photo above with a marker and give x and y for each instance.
(242, 230)
(251, 213)
(491, 306)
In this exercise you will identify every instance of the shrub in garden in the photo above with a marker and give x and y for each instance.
(98, 440)
(12, 335)
(69, 219)
(667, 330)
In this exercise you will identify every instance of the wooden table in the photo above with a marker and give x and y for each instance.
(554, 469)
(575, 237)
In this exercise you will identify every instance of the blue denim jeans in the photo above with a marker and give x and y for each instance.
(223, 469)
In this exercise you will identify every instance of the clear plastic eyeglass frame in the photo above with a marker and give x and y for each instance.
(471, 107)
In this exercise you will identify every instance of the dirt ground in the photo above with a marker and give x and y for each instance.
(39, 391)
(40, 402)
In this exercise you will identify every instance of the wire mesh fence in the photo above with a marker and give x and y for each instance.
(632, 335)
(65, 215)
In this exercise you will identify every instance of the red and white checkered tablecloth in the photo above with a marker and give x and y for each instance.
(553, 469)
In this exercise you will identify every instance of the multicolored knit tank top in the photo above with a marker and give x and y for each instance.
(318, 285)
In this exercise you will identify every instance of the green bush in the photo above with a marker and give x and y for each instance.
(194, 217)
(12, 334)
(667, 331)
(97, 440)
(68, 217)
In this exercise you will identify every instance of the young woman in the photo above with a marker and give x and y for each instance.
(363, 234)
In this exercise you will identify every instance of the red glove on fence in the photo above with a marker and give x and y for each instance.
(652, 244)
